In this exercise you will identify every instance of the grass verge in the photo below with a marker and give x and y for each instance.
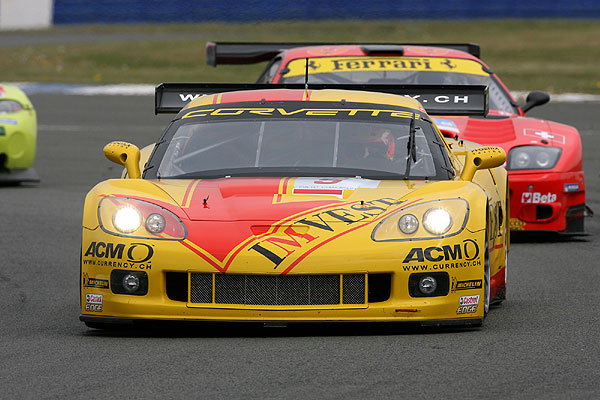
(554, 55)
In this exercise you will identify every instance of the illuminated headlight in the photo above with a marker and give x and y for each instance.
(127, 219)
(427, 220)
(408, 224)
(155, 223)
(139, 219)
(437, 220)
(427, 285)
(533, 157)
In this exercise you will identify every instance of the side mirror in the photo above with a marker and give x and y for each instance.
(125, 154)
(534, 99)
(482, 158)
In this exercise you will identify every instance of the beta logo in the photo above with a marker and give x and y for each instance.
(537, 198)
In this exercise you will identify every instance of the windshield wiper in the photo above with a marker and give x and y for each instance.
(411, 147)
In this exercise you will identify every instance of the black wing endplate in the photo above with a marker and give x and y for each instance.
(436, 99)
(251, 53)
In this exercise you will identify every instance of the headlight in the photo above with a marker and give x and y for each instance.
(155, 223)
(437, 220)
(9, 107)
(533, 157)
(127, 219)
(408, 224)
(440, 218)
(139, 219)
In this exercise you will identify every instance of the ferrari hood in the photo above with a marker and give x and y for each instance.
(508, 131)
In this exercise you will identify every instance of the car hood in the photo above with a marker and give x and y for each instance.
(273, 199)
(508, 132)
(512, 131)
(240, 212)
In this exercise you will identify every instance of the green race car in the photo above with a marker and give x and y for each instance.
(18, 136)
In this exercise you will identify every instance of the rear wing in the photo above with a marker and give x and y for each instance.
(436, 99)
(251, 53)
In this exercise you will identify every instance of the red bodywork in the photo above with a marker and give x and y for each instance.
(540, 200)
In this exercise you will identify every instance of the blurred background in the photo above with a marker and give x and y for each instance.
(44, 13)
(530, 44)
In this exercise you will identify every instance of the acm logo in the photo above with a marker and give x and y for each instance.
(469, 250)
(135, 252)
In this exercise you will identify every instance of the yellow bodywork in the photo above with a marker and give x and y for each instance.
(351, 234)
(18, 131)
(320, 65)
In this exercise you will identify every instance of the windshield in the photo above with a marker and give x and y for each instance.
(406, 70)
(316, 146)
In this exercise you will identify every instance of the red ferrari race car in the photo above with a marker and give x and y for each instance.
(547, 186)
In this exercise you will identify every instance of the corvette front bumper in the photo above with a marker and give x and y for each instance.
(105, 322)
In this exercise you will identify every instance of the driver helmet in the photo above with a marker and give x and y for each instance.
(380, 144)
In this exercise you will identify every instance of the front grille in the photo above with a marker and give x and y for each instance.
(354, 289)
(277, 290)
(201, 285)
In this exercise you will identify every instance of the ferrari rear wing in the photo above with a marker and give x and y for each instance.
(436, 99)
(251, 53)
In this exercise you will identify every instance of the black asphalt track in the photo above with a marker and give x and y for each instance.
(540, 343)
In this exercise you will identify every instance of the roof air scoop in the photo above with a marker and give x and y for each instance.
(380, 49)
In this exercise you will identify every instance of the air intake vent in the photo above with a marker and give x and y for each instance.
(278, 290)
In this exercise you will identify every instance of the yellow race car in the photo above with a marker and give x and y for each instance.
(18, 136)
(283, 204)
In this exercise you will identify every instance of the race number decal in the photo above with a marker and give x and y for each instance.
(330, 186)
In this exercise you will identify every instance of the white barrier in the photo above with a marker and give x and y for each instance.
(25, 14)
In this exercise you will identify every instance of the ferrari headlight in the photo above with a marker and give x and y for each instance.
(437, 220)
(139, 219)
(440, 218)
(533, 157)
